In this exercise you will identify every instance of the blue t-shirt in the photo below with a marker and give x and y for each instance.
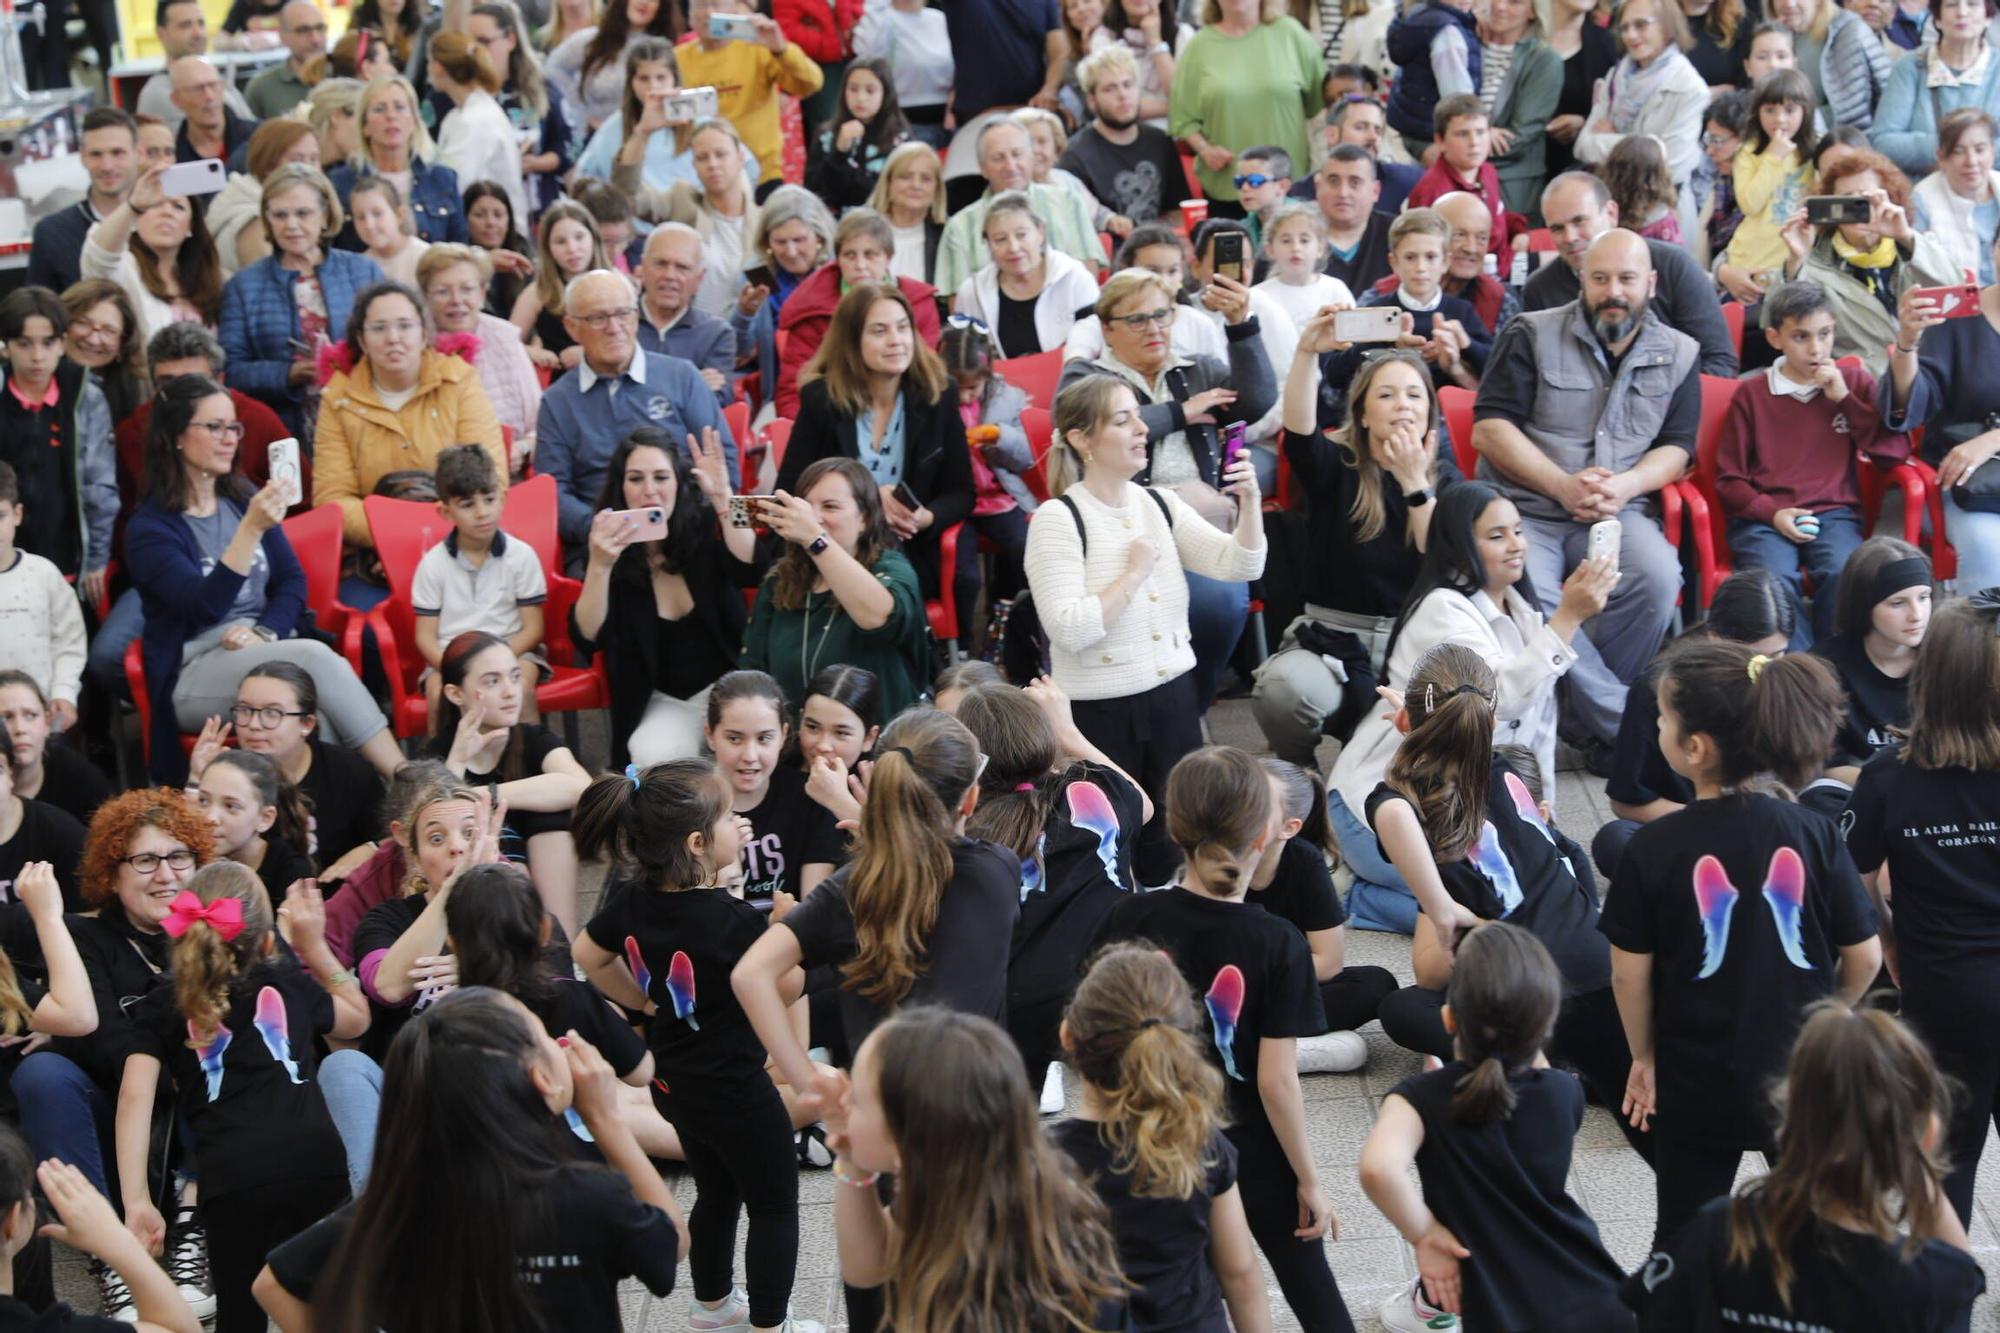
(998, 47)
(212, 535)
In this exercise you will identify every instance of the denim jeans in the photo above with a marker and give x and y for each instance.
(106, 664)
(66, 1115)
(1216, 614)
(1976, 537)
(351, 1083)
(1379, 899)
(1755, 545)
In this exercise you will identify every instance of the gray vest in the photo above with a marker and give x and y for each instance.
(1583, 415)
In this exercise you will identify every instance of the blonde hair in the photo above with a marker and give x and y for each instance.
(435, 794)
(444, 254)
(905, 153)
(1028, 117)
(291, 176)
(204, 964)
(1218, 800)
(1111, 61)
(1082, 406)
(421, 145)
(1127, 283)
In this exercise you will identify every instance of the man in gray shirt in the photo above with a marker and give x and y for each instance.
(183, 30)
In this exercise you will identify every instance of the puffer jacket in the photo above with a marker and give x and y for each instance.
(259, 325)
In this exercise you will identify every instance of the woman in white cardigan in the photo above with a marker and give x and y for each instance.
(158, 249)
(1947, 204)
(1115, 612)
(1464, 593)
(1029, 295)
(1653, 90)
(476, 139)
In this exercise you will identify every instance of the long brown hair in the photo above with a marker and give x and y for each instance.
(994, 1231)
(1955, 690)
(197, 268)
(902, 864)
(1504, 994)
(650, 50)
(1861, 1098)
(205, 965)
(413, 825)
(467, 62)
(614, 30)
(549, 279)
(1135, 1034)
(1370, 511)
(1021, 753)
(838, 360)
(645, 822)
(1445, 764)
(1775, 715)
(85, 295)
(1218, 801)
(792, 576)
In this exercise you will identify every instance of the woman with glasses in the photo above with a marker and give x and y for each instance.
(103, 337)
(1027, 294)
(395, 406)
(279, 311)
(220, 587)
(455, 280)
(1654, 90)
(1185, 403)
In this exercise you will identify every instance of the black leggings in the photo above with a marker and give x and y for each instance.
(1146, 734)
(1271, 1203)
(1978, 1074)
(738, 1140)
(246, 1225)
(1354, 995)
(1686, 1175)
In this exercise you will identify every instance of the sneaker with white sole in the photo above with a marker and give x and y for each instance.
(115, 1298)
(187, 1262)
(792, 1325)
(811, 1145)
(1406, 1311)
(1332, 1053)
(1052, 1090)
(728, 1317)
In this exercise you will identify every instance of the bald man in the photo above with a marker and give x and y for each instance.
(669, 276)
(278, 89)
(1584, 412)
(1471, 224)
(182, 28)
(209, 127)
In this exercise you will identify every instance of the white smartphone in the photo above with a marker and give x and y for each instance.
(1369, 324)
(732, 27)
(1605, 536)
(284, 461)
(652, 523)
(205, 175)
(693, 104)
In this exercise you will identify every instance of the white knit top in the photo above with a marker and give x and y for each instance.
(1147, 645)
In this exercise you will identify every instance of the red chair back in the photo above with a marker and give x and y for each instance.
(1717, 392)
(737, 416)
(315, 538)
(1732, 315)
(1456, 405)
(530, 514)
(1040, 431)
(1034, 375)
(777, 434)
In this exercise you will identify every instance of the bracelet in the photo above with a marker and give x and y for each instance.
(1905, 351)
(340, 977)
(844, 1173)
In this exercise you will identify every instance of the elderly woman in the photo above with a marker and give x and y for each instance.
(1108, 564)
(1028, 295)
(221, 588)
(1523, 91)
(862, 246)
(1866, 267)
(792, 239)
(454, 281)
(233, 214)
(278, 312)
(1653, 90)
(395, 145)
(1841, 55)
(103, 337)
(397, 405)
(1959, 203)
(1185, 402)
(722, 208)
(910, 194)
(1251, 76)
(841, 592)
(1954, 75)
(157, 248)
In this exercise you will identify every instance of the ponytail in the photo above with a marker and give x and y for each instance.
(1445, 763)
(1020, 749)
(205, 965)
(643, 821)
(1133, 1031)
(902, 863)
(495, 921)
(293, 826)
(1302, 796)
(1766, 715)
(1505, 993)
(1218, 802)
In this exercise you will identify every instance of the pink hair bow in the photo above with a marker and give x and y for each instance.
(224, 916)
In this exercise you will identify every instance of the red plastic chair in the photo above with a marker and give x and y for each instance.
(1541, 241)
(531, 515)
(1732, 315)
(777, 434)
(1034, 375)
(315, 535)
(943, 609)
(737, 415)
(1710, 526)
(1456, 405)
(1035, 423)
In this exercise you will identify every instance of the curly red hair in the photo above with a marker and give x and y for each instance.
(119, 820)
(1837, 164)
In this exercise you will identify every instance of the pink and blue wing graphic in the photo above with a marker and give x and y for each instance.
(274, 1028)
(1525, 807)
(637, 962)
(576, 1125)
(1715, 897)
(680, 988)
(1090, 810)
(1785, 891)
(210, 1056)
(1490, 860)
(1032, 880)
(1225, 1006)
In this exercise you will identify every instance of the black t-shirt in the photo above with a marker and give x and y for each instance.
(1744, 902)
(19, 1317)
(1513, 378)
(282, 866)
(963, 967)
(1162, 1243)
(537, 744)
(1842, 1282)
(71, 783)
(1301, 891)
(792, 831)
(1537, 1261)
(248, 1093)
(1640, 774)
(1253, 972)
(1085, 867)
(575, 1005)
(346, 794)
(1523, 871)
(1939, 832)
(1017, 333)
(379, 931)
(1141, 180)
(123, 964)
(681, 947)
(1875, 702)
(587, 1234)
(1363, 578)
(46, 834)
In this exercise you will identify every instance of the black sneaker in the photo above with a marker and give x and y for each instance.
(114, 1297)
(187, 1262)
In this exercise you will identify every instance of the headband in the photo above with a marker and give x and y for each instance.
(1898, 575)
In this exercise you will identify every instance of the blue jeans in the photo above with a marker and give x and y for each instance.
(1379, 899)
(1216, 614)
(351, 1083)
(65, 1115)
(1754, 545)
(106, 664)
(1976, 536)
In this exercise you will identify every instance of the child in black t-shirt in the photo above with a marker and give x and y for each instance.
(87, 1223)
(1256, 979)
(1730, 916)
(1850, 1231)
(513, 1232)
(839, 722)
(481, 737)
(665, 945)
(260, 819)
(1497, 1236)
(1879, 622)
(1292, 881)
(1148, 1138)
(791, 842)
(237, 1035)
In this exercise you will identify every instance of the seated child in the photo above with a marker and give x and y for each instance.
(1643, 188)
(1445, 329)
(1263, 178)
(41, 624)
(1465, 143)
(1295, 250)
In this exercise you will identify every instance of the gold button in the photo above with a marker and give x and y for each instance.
(1107, 659)
(1156, 638)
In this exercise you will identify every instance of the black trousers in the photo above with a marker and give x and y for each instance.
(1686, 1175)
(1146, 734)
(738, 1140)
(1978, 1075)
(1271, 1204)
(246, 1225)
(1355, 995)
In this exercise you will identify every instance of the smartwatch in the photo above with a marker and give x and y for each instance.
(1417, 499)
(816, 545)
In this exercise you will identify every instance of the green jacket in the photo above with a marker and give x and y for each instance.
(1527, 100)
(1862, 325)
(794, 646)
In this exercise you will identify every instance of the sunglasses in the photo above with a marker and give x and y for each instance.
(1255, 180)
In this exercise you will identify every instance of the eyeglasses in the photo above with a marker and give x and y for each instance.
(219, 430)
(1639, 24)
(146, 863)
(402, 328)
(86, 328)
(469, 291)
(604, 319)
(1152, 319)
(268, 716)
(1717, 140)
(1255, 180)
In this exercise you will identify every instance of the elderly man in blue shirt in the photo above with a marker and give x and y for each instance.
(669, 276)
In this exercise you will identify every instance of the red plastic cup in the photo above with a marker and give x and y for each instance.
(1194, 212)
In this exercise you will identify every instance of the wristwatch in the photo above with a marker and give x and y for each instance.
(1418, 498)
(817, 544)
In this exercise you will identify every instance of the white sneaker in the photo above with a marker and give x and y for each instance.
(187, 1262)
(1332, 1053)
(1407, 1311)
(728, 1317)
(114, 1297)
(1052, 1090)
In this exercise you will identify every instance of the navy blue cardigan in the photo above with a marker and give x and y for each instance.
(181, 601)
(260, 323)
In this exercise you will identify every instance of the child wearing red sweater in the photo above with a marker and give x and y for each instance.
(1465, 143)
(1787, 466)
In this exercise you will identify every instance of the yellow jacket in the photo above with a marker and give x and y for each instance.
(1769, 189)
(359, 441)
(746, 78)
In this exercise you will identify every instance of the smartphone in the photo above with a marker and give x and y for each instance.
(742, 511)
(1229, 255)
(693, 104)
(205, 175)
(1953, 302)
(732, 28)
(1232, 445)
(1369, 324)
(906, 497)
(284, 467)
(1825, 210)
(1604, 539)
(761, 276)
(652, 522)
